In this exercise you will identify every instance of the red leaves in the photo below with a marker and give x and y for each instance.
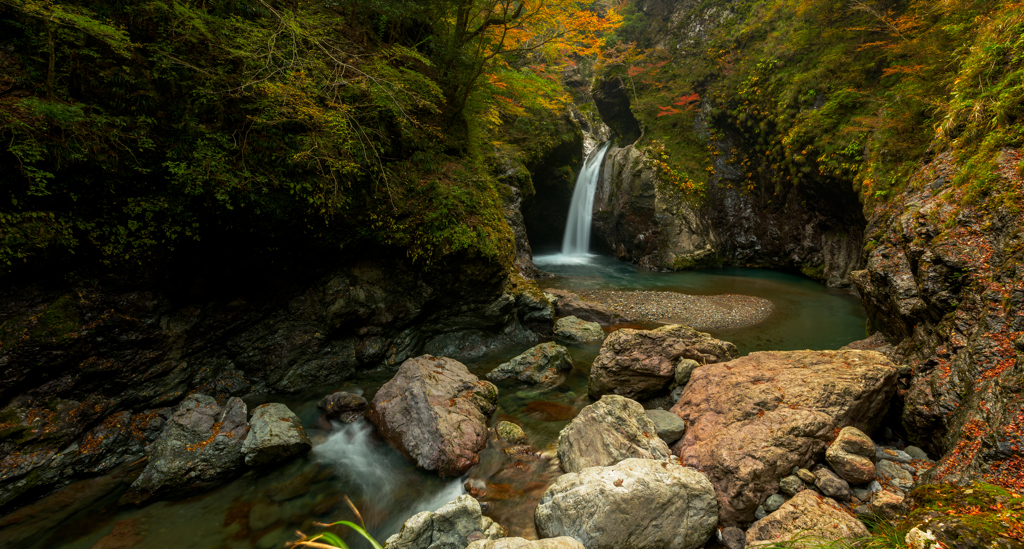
(686, 103)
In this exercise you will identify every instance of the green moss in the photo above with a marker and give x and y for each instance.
(57, 322)
(982, 512)
(816, 272)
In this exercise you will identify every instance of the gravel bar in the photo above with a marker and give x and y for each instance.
(703, 312)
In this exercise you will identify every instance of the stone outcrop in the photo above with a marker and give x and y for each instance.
(607, 432)
(611, 96)
(435, 412)
(91, 370)
(275, 435)
(573, 329)
(544, 364)
(808, 515)
(751, 420)
(569, 304)
(343, 407)
(638, 364)
(200, 447)
(637, 503)
(454, 525)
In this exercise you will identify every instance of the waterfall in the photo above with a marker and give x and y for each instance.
(577, 228)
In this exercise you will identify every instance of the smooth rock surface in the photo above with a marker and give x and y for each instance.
(574, 329)
(563, 542)
(684, 369)
(638, 364)
(669, 426)
(275, 435)
(343, 407)
(773, 503)
(637, 503)
(435, 412)
(885, 503)
(511, 433)
(607, 432)
(807, 514)
(452, 526)
(852, 456)
(831, 485)
(200, 447)
(542, 364)
(751, 420)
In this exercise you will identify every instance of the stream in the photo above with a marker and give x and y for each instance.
(264, 509)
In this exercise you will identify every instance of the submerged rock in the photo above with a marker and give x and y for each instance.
(607, 432)
(435, 412)
(574, 329)
(343, 407)
(200, 447)
(751, 420)
(544, 363)
(275, 435)
(453, 526)
(806, 515)
(511, 433)
(638, 364)
(668, 506)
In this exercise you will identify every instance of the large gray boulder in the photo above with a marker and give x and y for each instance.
(852, 456)
(563, 542)
(637, 503)
(638, 364)
(544, 363)
(574, 329)
(435, 412)
(806, 515)
(607, 432)
(453, 526)
(275, 435)
(751, 420)
(200, 447)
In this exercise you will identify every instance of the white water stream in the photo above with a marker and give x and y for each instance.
(576, 241)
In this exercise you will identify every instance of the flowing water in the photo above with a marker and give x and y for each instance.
(576, 240)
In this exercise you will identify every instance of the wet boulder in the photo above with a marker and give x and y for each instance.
(807, 514)
(570, 304)
(607, 432)
(342, 406)
(852, 456)
(275, 435)
(200, 447)
(751, 420)
(574, 329)
(636, 503)
(435, 412)
(638, 364)
(453, 526)
(544, 363)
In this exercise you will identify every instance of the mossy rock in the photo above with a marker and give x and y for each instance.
(56, 322)
(981, 515)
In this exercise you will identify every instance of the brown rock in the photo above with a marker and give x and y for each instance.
(550, 411)
(123, 536)
(435, 412)
(570, 304)
(852, 456)
(638, 364)
(885, 503)
(806, 515)
(751, 420)
(343, 407)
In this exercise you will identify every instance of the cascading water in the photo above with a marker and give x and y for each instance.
(576, 240)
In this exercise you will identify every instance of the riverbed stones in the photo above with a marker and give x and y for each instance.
(791, 485)
(343, 407)
(607, 432)
(668, 506)
(670, 428)
(563, 542)
(852, 456)
(639, 364)
(808, 515)
(751, 420)
(831, 485)
(511, 433)
(453, 526)
(685, 368)
(275, 435)
(435, 412)
(543, 364)
(200, 447)
(885, 503)
(574, 329)
(569, 304)
(895, 475)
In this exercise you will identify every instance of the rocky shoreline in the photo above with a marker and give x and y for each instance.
(702, 312)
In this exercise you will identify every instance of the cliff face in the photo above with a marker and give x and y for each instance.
(944, 280)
